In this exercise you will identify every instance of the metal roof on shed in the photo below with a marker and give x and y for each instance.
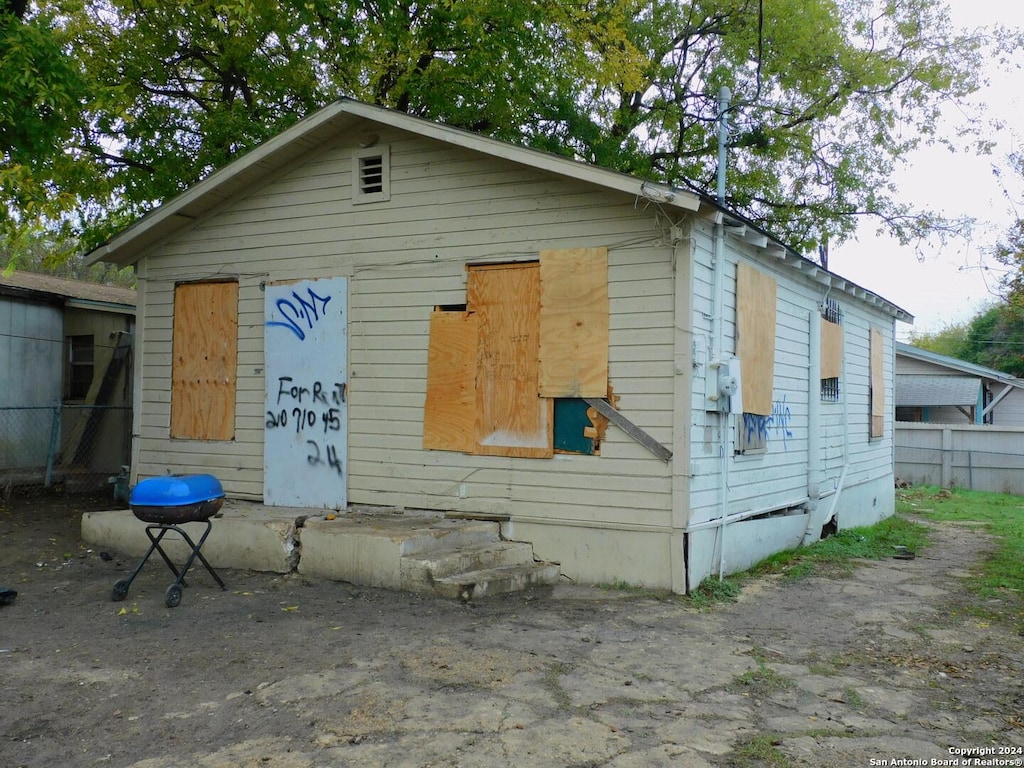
(912, 390)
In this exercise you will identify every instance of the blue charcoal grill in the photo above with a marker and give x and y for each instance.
(165, 503)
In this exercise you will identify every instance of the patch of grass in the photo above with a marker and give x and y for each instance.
(712, 591)
(762, 681)
(853, 697)
(1001, 575)
(759, 751)
(834, 554)
(617, 586)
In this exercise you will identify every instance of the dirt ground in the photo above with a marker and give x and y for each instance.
(884, 665)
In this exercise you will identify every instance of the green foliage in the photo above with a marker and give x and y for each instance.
(995, 339)
(762, 681)
(137, 99)
(760, 751)
(713, 591)
(950, 341)
(41, 96)
(835, 553)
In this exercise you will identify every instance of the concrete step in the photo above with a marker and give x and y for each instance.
(421, 570)
(494, 581)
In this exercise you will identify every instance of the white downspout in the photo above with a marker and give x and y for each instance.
(815, 459)
(815, 522)
(724, 96)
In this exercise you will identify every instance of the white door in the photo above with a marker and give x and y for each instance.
(305, 453)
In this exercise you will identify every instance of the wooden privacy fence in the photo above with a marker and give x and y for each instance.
(979, 458)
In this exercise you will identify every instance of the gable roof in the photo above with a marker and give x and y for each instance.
(34, 285)
(954, 365)
(277, 153)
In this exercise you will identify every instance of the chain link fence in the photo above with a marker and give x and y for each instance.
(76, 448)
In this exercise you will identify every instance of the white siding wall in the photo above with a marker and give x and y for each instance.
(778, 478)
(447, 208)
(1009, 412)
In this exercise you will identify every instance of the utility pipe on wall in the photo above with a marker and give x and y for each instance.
(719, 324)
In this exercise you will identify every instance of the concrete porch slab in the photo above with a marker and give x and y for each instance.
(360, 546)
(248, 536)
(369, 549)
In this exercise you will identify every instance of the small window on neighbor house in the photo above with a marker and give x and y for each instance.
(81, 362)
(371, 172)
(831, 350)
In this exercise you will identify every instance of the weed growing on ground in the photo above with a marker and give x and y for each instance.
(713, 591)
(762, 681)
(758, 752)
(836, 553)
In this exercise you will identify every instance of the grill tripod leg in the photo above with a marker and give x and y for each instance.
(120, 590)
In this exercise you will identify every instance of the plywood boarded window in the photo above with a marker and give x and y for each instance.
(511, 418)
(204, 361)
(530, 333)
(831, 350)
(876, 389)
(449, 417)
(574, 323)
(755, 337)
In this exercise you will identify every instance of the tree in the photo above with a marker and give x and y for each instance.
(1009, 251)
(950, 341)
(827, 96)
(993, 338)
(41, 99)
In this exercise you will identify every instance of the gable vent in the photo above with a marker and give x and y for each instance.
(371, 175)
(371, 170)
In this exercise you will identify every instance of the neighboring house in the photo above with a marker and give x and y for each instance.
(937, 389)
(374, 309)
(64, 350)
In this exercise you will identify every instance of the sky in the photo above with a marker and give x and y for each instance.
(947, 285)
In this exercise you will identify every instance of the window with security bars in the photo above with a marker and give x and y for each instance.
(831, 349)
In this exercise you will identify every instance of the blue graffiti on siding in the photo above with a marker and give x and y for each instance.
(308, 312)
(757, 428)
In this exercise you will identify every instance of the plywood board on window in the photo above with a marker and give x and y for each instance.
(877, 383)
(755, 337)
(204, 361)
(574, 323)
(831, 350)
(511, 419)
(449, 415)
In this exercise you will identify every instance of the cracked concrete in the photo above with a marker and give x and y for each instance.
(296, 672)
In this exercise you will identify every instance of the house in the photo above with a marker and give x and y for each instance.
(937, 389)
(373, 309)
(65, 386)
